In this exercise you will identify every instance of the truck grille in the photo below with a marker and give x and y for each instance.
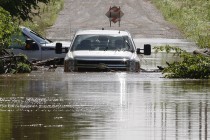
(101, 65)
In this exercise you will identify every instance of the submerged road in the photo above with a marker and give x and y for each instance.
(140, 18)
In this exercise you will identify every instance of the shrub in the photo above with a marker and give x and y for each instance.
(190, 66)
(23, 68)
(7, 28)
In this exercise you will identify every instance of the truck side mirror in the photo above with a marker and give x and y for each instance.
(58, 48)
(138, 51)
(147, 50)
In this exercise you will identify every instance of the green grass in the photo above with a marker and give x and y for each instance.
(46, 18)
(192, 17)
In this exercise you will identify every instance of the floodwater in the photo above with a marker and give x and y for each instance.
(54, 105)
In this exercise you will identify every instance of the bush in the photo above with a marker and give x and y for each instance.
(23, 68)
(190, 66)
(7, 28)
(16, 64)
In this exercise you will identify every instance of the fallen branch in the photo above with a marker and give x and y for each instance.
(204, 52)
(49, 62)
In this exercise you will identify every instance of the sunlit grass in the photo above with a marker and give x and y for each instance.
(191, 16)
(47, 16)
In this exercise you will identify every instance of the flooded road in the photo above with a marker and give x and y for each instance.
(123, 106)
(105, 105)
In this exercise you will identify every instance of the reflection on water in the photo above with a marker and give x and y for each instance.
(123, 106)
(181, 43)
(159, 59)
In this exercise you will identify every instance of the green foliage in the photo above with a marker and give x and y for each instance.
(22, 9)
(191, 16)
(23, 68)
(15, 65)
(204, 40)
(191, 66)
(168, 49)
(7, 28)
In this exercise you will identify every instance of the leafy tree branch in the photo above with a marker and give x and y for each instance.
(189, 65)
(22, 9)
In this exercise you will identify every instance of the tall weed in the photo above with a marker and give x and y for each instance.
(191, 16)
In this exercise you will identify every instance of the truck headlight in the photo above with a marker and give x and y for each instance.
(69, 65)
(134, 66)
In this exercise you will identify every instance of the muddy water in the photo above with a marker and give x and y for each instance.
(111, 105)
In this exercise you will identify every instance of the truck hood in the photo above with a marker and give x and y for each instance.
(96, 55)
(65, 44)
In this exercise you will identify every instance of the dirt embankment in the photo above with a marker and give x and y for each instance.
(141, 18)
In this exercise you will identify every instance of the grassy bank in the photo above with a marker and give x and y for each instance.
(47, 16)
(191, 16)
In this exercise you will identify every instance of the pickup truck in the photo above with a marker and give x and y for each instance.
(36, 47)
(102, 50)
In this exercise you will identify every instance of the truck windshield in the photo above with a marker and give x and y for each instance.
(102, 43)
(39, 38)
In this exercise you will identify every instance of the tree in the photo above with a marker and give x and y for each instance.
(22, 9)
(7, 28)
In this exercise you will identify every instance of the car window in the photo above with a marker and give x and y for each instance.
(38, 38)
(102, 43)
